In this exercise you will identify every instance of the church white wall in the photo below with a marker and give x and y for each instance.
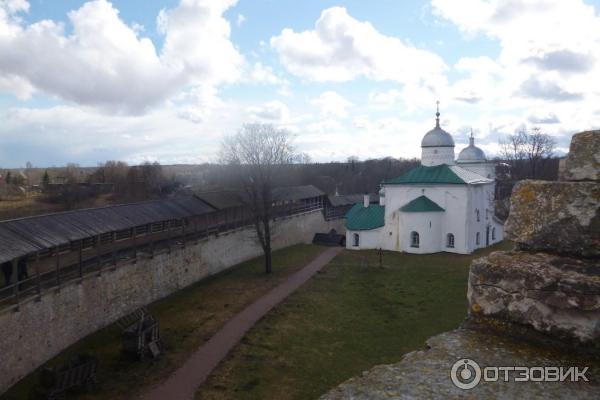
(431, 156)
(370, 239)
(482, 199)
(499, 232)
(461, 203)
(452, 198)
(429, 227)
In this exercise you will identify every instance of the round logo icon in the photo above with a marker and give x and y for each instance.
(465, 374)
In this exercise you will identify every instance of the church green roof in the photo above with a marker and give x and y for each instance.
(436, 174)
(421, 204)
(361, 218)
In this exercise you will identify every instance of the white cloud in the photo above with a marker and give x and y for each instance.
(548, 47)
(240, 19)
(385, 99)
(546, 70)
(264, 74)
(62, 134)
(366, 138)
(341, 48)
(273, 111)
(197, 40)
(543, 118)
(332, 103)
(105, 64)
(198, 103)
(16, 85)
(14, 6)
(324, 127)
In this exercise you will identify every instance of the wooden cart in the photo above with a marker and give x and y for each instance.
(142, 337)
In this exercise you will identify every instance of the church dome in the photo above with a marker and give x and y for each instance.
(437, 137)
(471, 153)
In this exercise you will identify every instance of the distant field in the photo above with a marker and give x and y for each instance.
(351, 316)
(33, 204)
(25, 207)
(187, 319)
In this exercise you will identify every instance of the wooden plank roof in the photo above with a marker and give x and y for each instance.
(19, 237)
(351, 199)
(221, 200)
(294, 193)
(234, 198)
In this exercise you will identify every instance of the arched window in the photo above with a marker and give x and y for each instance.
(449, 240)
(477, 214)
(477, 239)
(487, 214)
(493, 233)
(414, 239)
(355, 240)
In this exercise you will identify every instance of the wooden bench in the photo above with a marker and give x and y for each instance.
(78, 372)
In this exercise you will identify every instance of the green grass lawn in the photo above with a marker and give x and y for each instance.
(351, 316)
(187, 319)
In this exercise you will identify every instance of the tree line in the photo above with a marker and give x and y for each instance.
(121, 182)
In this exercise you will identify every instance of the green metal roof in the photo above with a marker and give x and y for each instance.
(436, 174)
(421, 204)
(361, 218)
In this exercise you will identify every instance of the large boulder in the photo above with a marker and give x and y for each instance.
(554, 295)
(558, 217)
(426, 374)
(583, 161)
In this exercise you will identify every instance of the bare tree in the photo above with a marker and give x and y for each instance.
(257, 151)
(512, 148)
(114, 172)
(527, 151)
(152, 177)
(539, 148)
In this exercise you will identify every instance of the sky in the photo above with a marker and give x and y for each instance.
(137, 80)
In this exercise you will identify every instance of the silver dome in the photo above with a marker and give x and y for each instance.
(437, 137)
(471, 153)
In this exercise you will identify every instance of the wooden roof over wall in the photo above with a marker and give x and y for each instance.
(233, 198)
(22, 236)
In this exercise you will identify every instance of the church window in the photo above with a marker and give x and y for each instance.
(450, 240)
(477, 214)
(487, 214)
(477, 239)
(414, 239)
(493, 233)
(355, 240)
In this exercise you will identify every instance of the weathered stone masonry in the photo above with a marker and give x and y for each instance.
(42, 329)
(552, 282)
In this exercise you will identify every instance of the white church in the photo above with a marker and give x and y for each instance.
(442, 205)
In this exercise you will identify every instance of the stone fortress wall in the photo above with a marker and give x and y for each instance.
(41, 329)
